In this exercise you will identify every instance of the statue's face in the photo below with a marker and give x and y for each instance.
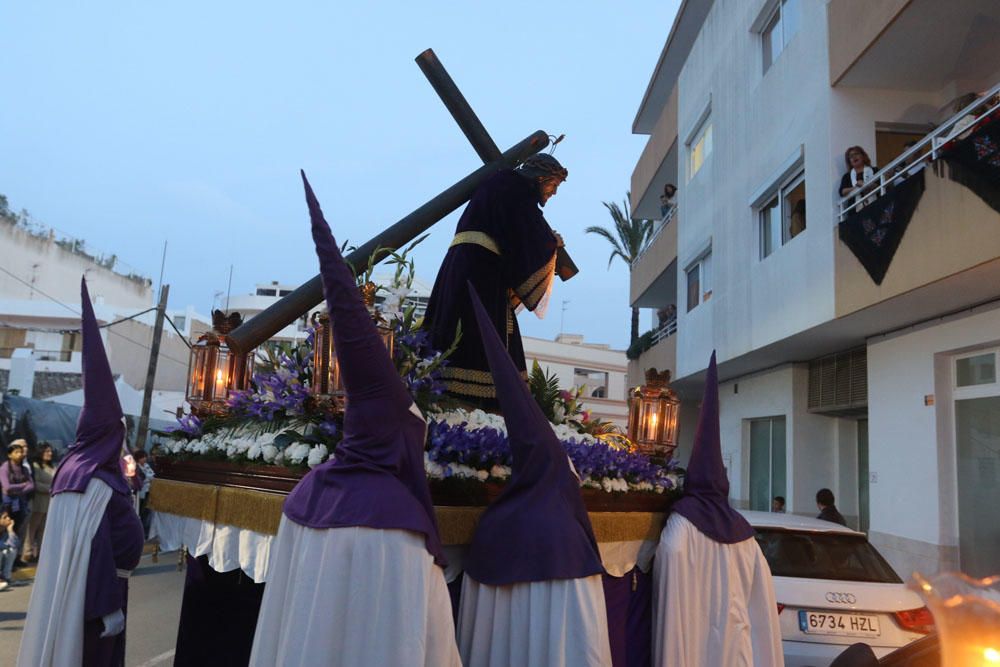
(547, 187)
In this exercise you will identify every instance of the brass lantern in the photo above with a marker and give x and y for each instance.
(327, 382)
(215, 370)
(652, 416)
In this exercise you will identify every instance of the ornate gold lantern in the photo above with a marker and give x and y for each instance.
(327, 383)
(652, 416)
(215, 370)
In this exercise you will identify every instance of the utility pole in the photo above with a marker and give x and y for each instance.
(154, 355)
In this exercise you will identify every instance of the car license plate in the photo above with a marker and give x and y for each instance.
(834, 623)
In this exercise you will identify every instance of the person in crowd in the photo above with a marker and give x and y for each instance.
(146, 472)
(859, 171)
(18, 485)
(827, 508)
(356, 572)
(666, 315)
(93, 537)
(9, 546)
(532, 593)
(778, 504)
(43, 469)
(668, 199)
(713, 596)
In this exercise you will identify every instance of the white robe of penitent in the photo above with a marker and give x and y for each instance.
(53, 629)
(353, 597)
(559, 623)
(713, 603)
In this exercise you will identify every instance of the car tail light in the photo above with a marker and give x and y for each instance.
(916, 620)
(781, 608)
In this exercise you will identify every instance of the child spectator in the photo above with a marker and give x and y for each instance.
(9, 546)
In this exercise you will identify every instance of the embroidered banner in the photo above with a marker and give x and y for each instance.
(873, 233)
(975, 161)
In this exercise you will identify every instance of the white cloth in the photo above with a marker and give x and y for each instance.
(559, 623)
(353, 597)
(53, 630)
(713, 603)
(227, 547)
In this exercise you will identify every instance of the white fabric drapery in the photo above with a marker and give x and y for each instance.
(713, 603)
(227, 547)
(53, 629)
(354, 597)
(560, 623)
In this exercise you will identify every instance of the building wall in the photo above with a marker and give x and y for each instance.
(561, 358)
(56, 271)
(914, 507)
(760, 121)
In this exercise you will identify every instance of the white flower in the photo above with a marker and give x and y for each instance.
(559, 413)
(269, 452)
(482, 475)
(279, 458)
(317, 455)
(298, 453)
(254, 451)
(500, 472)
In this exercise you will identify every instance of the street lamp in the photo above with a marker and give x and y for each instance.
(653, 416)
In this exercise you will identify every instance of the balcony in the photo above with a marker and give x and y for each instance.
(949, 257)
(944, 43)
(657, 165)
(661, 355)
(653, 277)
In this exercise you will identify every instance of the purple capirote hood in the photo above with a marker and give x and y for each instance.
(100, 432)
(376, 478)
(538, 529)
(705, 502)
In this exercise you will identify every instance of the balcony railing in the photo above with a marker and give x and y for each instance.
(660, 225)
(920, 154)
(667, 329)
(40, 355)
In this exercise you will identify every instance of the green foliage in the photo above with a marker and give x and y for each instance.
(544, 388)
(640, 345)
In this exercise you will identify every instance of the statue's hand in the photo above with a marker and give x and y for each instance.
(559, 240)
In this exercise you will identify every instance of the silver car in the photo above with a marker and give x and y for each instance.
(834, 589)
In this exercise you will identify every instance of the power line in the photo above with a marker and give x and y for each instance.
(110, 331)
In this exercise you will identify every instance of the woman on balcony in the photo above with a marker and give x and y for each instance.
(859, 171)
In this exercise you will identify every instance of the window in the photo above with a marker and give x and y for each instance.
(596, 382)
(975, 370)
(780, 29)
(261, 291)
(699, 281)
(284, 292)
(700, 147)
(767, 461)
(783, 216)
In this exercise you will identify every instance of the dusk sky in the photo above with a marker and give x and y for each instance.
(127, 124)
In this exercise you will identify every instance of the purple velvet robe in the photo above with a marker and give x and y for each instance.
(517, 271)
(116, 546)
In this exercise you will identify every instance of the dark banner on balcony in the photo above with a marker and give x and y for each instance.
(873, 233)
(974, 161)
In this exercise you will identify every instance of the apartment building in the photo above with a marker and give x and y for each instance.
(885, 392)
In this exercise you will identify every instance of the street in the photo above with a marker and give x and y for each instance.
(154, 607)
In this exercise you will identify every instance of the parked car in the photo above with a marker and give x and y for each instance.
(833, 589)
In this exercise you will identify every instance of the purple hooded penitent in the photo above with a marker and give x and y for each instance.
(100, 432)
(538, 529)
(705, 502)
(377, 477)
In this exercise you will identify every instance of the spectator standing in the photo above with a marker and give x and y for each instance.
(859, 171)
(42, 469)
(9, 546)
(145, 472)
(668, 199)
(17, 485)
(827, 508)
(778, 504)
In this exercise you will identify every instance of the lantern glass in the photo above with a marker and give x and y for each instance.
(966, 616)
(653, 412)
(215, 372)
(328, 383)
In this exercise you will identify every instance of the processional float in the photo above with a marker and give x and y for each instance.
(217, 509)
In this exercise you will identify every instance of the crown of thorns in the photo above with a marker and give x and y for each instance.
(543, 166)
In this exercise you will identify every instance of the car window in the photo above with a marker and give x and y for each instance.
(823, 556)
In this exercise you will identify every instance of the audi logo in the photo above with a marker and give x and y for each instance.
(840, 598)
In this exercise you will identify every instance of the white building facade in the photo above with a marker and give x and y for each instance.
(885, 393)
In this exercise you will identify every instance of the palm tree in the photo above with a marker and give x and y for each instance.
(628, 239)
